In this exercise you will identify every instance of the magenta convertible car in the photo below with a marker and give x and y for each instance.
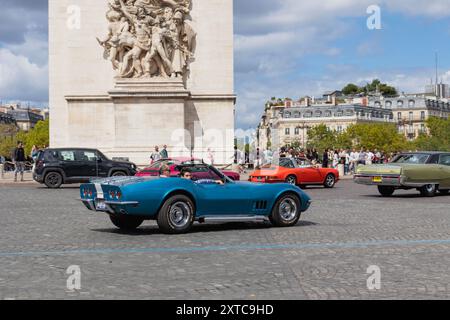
(173, 163)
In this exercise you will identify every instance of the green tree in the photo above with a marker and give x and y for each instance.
(351, 89)
(381, 136)
(321, 138)
(439, 137)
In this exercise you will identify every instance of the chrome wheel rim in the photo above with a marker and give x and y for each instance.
(429, 188)
(288, 209)
(180, 214)
(330, 181)
(291, 180)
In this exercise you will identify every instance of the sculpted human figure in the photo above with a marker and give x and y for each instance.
(141, 43)
(111, 42)
(149, 37)
(157, 51)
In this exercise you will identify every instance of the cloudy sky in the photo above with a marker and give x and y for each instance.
(283, 48)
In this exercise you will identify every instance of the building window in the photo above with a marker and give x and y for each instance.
(399, 116)
(422, 116)
(297, 114)
(287, 115)
(400, 103)
(328, 114)
(287, 132)
(411, 116)
(297, 131)
(377, 104)
(318, 114)
(422, 128)
(388, 104)
(412, 103)
(308, 114)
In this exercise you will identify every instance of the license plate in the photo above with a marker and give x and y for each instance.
(100, 205)
(377, 179)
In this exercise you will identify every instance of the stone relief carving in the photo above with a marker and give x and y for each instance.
(149, 38)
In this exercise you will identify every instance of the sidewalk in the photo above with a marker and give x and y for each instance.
(8, 178)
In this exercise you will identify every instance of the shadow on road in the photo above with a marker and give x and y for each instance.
(202, 228)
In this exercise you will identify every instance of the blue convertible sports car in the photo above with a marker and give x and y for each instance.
(176, 203)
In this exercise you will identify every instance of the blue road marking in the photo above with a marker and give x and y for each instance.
(249, 247)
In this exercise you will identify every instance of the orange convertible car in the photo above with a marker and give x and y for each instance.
(297, 172)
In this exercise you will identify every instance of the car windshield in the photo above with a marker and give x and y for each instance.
(412, 158)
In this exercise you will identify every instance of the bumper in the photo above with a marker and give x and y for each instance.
(388, 181)
(379, 180)
(38, 178)
(264, 180)
(111, 206)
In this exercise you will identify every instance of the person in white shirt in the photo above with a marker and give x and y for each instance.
(354, 156)
(369, 158)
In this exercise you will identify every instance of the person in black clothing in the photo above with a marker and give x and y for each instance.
(325, 159)
(19, 161)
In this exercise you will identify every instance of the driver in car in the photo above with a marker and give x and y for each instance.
(187, 174)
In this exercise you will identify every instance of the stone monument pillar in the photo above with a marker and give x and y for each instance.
(127, 75)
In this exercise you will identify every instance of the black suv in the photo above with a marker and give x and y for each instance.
(55, 167)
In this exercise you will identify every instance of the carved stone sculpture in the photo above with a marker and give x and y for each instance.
(149, 38)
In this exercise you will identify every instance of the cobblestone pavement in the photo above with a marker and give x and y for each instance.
(348, 229)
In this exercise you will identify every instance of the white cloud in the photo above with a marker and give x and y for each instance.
(22, 80)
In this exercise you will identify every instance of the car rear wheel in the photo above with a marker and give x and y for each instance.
(444, 192)
(330, 181)
(176, 215)
(286, 212)
(119, 174)
(386, 191)
(291, 180)
(428, 191)
(127, 223)
(53, 180)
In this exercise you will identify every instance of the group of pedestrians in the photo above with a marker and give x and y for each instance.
(19, 159)
(351, 159)
(158, 155)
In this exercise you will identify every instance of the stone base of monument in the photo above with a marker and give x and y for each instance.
(139, 114)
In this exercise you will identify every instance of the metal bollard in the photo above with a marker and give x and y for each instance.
(2, 170)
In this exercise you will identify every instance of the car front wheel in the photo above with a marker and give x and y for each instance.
(286, 212)
(127, 223)
(386, 191)
(176, 215)
(53, 180)
(428, 191)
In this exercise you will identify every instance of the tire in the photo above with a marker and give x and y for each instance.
(176, 215)
(127, 223)
(330, 181)
(444, 192)
(53, 180)
(286, 212)
(428, 191)
(386, 191)
(119, 174)
(292, 180)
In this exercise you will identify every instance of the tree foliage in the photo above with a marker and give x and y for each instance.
(438, 138)
(386, 90)
(38, 136)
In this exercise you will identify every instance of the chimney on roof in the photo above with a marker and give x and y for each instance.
(334, 100)
(307, 101)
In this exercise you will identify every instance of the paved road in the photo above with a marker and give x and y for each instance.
(348, 229)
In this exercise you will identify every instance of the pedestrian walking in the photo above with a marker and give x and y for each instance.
(2, 166)
(156, 155)
(325, 159)
(164, 154)
(19, 161)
